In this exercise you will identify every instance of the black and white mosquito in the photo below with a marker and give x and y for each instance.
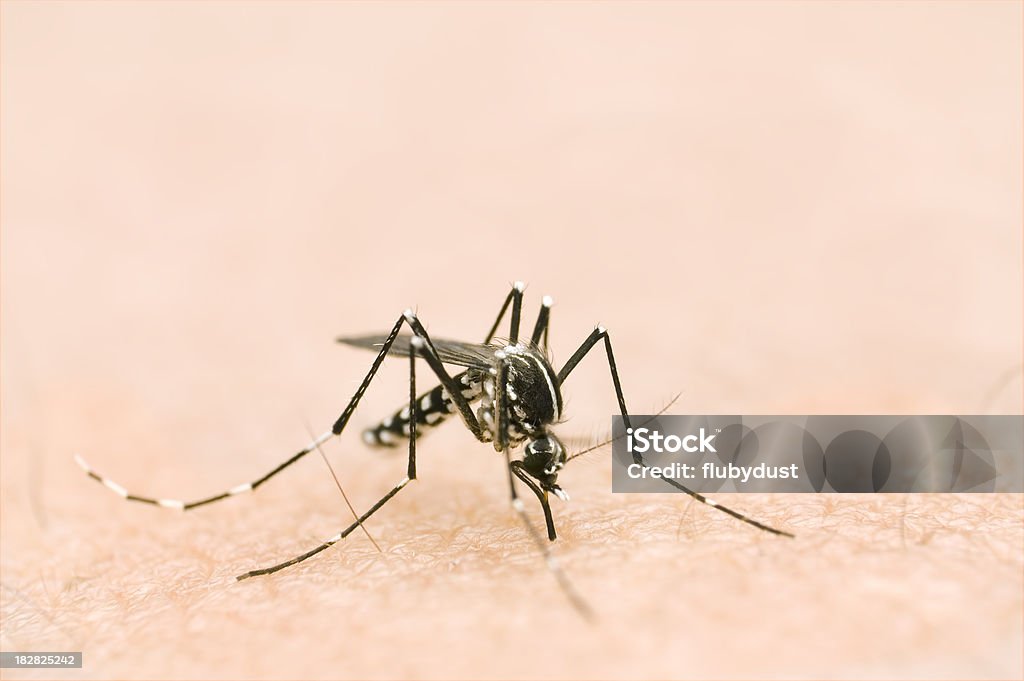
(520, 399)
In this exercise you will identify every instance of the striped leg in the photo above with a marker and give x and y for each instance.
(515, 297)
(188, 505)
(330, 542)
(452, 389)
(600, 334)
(410, 476)
(335, 430)
(543, 322)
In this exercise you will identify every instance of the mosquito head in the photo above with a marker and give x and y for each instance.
(542, 459)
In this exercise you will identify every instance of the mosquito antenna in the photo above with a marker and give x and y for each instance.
(343, 495)
(613, 439)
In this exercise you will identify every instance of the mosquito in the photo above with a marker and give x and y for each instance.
(518, 398)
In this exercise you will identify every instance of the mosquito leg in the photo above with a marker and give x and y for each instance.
(417, 345)
(429, 353)
(432, 404)
(517, 309)
(596, 335)
(330, 542)
(501, 435)
(514, 296)
(341, 490)
(725, 509)
(188, 505)
(335, 430)
(543, 319)
(339, 425)
(601, 334)
(605, 443)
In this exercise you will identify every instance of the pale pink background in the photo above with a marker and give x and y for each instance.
(774, 207)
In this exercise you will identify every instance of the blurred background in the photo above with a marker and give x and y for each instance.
(774, 208)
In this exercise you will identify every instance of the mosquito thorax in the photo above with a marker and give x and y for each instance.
(532, 398)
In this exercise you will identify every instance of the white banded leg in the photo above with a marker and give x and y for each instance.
(417, 345)
(336, 430)
(600, 334)
(330, 542)
(188, 505)
(454, 392)
(543, 322)
(515, 298)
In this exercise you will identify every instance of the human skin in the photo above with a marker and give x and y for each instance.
(774, 208)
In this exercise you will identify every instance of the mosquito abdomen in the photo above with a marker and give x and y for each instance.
(432, 408)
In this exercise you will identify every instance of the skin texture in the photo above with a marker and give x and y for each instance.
(774, 208)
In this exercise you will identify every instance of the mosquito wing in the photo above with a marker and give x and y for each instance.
(471, 355)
